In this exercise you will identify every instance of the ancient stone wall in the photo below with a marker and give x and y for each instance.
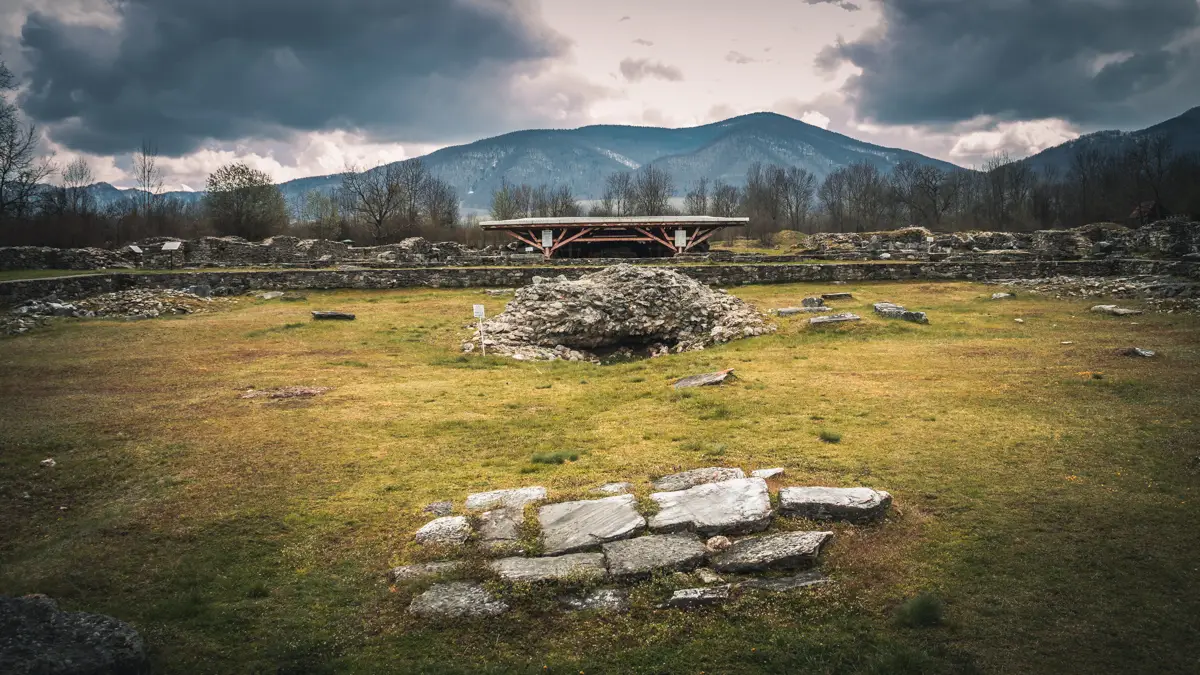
(728, 276)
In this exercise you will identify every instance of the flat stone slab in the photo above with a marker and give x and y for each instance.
(577, 566)
(834, 318)
(766, 473)
(457, 599)
(792, 311)
(452, 530)
(825, 503)
(645, 555)
(439, 508)
(422, 570)
(516, 498)
(805, 579)
(614, 488)
(894, 311)
(813, 302)
(598, 600)
(837, 296)
(576, 526)
(501, 528)
(705, 379)
(1002, 296)
(1115, 311)
(37, 637)
(1137, 351)
(787, 550)
(699, 597)
(690, 479)
(734, 506)
(332, 316)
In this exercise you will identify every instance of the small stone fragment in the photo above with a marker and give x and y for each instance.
(705, 380)
(813, 302)
(1115, 311)
(332, 316)
(599, 600)
(834, 318)
(450, 530)
(825, 503)
(689, 598)
(766, 473)
(422, 570)
(709, 577)
(457, 599)
(1019, 320)
(717, 544)
(439, 508)
(645, 555)
(1002, 296)
(614, 488)
(805, 579)
(576, 566)
(694, 477)
(271, 295)
(837, 296)
(734, 506)
(1137, 351)
(48, 462)
(788, 550)
(576, 526)
(516, 498)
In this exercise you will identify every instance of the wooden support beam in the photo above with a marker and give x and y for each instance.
(568, 239)
(660, 240)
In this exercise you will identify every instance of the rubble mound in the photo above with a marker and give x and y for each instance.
(621, 310)
(1160, 293)
(131, 304)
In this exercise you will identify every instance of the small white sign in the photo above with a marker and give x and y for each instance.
(478, 311)
(680, 238)
(547, 238)
(172, 246)
(929, 239)
(135, 248)
(529, 249)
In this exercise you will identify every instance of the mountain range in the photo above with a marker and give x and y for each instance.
(581, 158)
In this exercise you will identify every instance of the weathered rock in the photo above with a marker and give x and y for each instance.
(805, 579)
(318, 315)
(1002, 296)
(705, 379)
(1115, 311)
(729, 507)
(422, 570)
(699, 597)
(48, 463)
(694, 477)
(439, 508)
(515, 499)
(499, 529)
(707, 576)
(271, 295)
(37, 637)
(717, 544)
(1137, 351)
(575, 566)
(614, 488)
(457, 599)
(834, 318)
(620, 305)
(645, 555)
(837, 296)
(285, 392)
(599, 600)
(449, 530)
(766, 473)
(787, 550)
(826, 503)
(576, 526)
(813, 302)
(894, 311)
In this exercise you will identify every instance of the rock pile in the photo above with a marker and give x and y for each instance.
(37, 637)
(622, 309)
(594, 541)
(1160, 293)
(893, 311)
(131, 304)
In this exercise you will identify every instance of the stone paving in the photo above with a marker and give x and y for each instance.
(708, 521)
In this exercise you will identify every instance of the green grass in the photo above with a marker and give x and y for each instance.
(829, 436)
(1052, 514)
(559, 457)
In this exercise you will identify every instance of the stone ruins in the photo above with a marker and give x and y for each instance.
(709, 527)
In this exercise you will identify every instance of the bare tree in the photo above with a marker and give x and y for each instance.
(696, 200)
(410, 177)
(504, 202)
(652, 190)
(21, 170)
(801, 189)
(244, 202)
(439, 203)
(373, 197)
(321, 213)
(148, 176)
(725, 200)
(77, 178)
(618, 196)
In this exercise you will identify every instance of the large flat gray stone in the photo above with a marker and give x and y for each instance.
(699, 597)
(455, 600)
(825, 503)
(516, 498)
(576, 566)
(729, 507)
(576, 526)
(500, 529)
(805, 579)
(689, 479)
(787, 550)
(643, 556)
(422, 570)
(705, 379)
(766, 473)
(598, 600)
(834, 318)
(450, 530)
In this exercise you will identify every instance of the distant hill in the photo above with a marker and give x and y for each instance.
(1184, 132)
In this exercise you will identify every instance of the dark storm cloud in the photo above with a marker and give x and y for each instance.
(636, 70)
(182, 71)
(1093, 62)
(844, 4)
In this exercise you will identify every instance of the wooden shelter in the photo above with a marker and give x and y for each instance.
(633, 236)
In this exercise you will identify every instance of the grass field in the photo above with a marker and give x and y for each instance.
(1046, 493)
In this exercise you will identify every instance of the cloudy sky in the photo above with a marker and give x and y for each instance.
(305, 87)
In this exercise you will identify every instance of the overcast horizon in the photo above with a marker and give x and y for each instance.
(304, 87)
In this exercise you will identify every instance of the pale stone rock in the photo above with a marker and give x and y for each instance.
(576, 566)
(707, 576)
(576, 526)
(645, 555)
(717, 544)
(734, 506)
(515, 498)
(834, 318)
(1115, 311)
(599, 600)
(501, 528)
(699, 597)
(704, 380)
(826, 503)
(690, 479)
(614, 488)
(422, 570)
(773, 551)
(766, 473)
(447, 530)
(457, 599)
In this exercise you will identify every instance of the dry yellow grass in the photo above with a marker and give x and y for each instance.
(1053, 512)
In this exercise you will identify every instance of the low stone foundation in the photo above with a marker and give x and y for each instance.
(725, 276)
